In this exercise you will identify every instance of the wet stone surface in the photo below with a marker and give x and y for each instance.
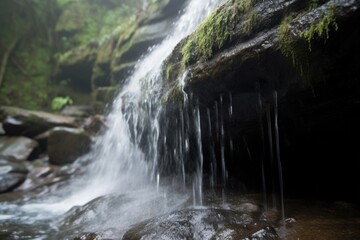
(203, 224)
(12, 173)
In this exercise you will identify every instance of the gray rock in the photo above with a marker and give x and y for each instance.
(19, 148)
(199, 224)
(21, 122)
(12, 174)
(77, 111)
(65, 145)
(2, 131)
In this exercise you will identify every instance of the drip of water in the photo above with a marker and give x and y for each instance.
(278, 157)
(262, 134)
(222, 143)
(271, 154)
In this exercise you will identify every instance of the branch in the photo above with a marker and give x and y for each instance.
(5, 59)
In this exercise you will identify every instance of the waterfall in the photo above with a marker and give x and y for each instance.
(127, 155)
(125, 159)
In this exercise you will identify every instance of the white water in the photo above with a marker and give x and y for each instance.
(126, 157)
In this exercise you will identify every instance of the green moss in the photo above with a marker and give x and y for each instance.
(214, 32)
(297, 51)
(249, 22)
(322, 28)
(186, 52)
(169, 69)
(286, 40)
(175, 94)
(244, 5)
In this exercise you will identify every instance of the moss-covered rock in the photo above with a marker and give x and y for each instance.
(209, 60)
(101, 74)
(102, 97)
(141, 35)
(75, 67)
(105, 94)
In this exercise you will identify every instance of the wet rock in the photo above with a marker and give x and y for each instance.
(148, 33)
(197, 224)
(65, 145)
(103, 96)
(21, 122)
(12, 174)
(41, 174)
(77, 111)
(267, 233)
(77, 65)
(248, 207)
(42, 140)
(2, 131)
(271, 215)
(313, 95)
(19, 148)
(88, 236)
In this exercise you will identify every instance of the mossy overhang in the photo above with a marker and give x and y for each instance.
(244, 62)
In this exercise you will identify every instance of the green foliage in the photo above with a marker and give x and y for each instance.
(322, 28)
(84, 21)
(26, 79)
(59, 103)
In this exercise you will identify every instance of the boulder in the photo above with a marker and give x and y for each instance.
(65, 145)
(21, 122)
(77, 111)
(12, 173)
(20, 148)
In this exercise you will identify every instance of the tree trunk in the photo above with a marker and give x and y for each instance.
(5, 59)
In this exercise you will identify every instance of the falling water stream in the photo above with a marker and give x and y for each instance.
(124, 161)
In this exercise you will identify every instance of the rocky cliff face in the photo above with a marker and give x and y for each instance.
(253, 59)
(103, 66)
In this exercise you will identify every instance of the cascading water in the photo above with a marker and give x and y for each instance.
(125, 160)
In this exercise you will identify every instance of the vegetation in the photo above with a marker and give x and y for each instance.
(215, 31)
(175, 94)
(36, 34)
(59, 103)
(169, 69)
(82, 22)
(295, 50)
(26, 52)
(322, 28)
